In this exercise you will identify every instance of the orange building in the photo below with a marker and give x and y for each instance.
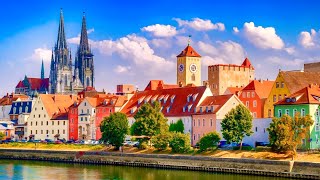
(254, 96)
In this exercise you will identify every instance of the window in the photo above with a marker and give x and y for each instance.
(198, 122)
(63, 132)
(277, 85)
(254, 114)
(81, 118)
(58, 123)
(248, 94)
(282, 84)
(47, 132)
(31, 132)
(44, 115)
(194, 136)
(287, 112)
(211, 123)
(193, 77)
(20, 110)
(36, 131)
(14, 110)
(294, 112)
(52, 122)
(110, 110)
(252, 94)
(41, 131)
(256, 129)
(39, 115)
(194, 122)
(244, 95)
(85, 104)
(279, 97)
(81, 111)
(255, 103)
(86, 119)
(36, 123)
(274, 98)
(52, 131)
(88, 81)
(58, 131)
(71, 129)
(64, 123)
(26, 109)
(203, 122)
(303, 112)
(41, 123)
(285, 95)
(247, 104)
(279, 113)
(41, 108)
(47, 124)
(31, 124)
(72, 120)
(198, 136)
(34, 116)
(87, 111)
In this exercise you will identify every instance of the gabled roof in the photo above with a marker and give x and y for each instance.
(172, 101)
(215, 101)
(8, 99)
(296, 80)
(189, 52)
(35, 83)
(159, 84)
(246, 63)
(262, 88)
(233, 90)
(307, 95)
(57, 106)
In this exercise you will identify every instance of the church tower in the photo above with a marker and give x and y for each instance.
(84, 58)
(61, 63)
(188, 67)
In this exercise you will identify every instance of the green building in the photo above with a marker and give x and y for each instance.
(305, 101)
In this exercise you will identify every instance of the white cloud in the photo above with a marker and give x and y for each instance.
(41, 53)
(264, 38)
(290, 50)
(308, 40)
(122, 69)
(160, 30)
(90, 30)
(286, 61)
(200, 24)
(235, 30)
(222, 52)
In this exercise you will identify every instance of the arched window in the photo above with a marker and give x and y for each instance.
(65, 80)
(14, 110)
(27, 108)
(20, 110)
(88, 81)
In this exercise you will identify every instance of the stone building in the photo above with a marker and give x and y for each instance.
(223, 76)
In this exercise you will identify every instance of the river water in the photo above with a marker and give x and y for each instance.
(34, 170)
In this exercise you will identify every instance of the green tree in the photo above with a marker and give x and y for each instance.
(209, 140)
(2, 135)
(161, 141)
(177, 127)
(114, 128)
(286, 133)
(237, 124)
(180, 142)
(149, 120)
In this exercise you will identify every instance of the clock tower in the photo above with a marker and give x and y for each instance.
(188, 67)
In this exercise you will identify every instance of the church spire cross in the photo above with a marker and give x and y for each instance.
(189, 40)
(61, 41)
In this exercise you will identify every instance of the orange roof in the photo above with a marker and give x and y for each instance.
(57, 106)
(234, 90)
(262, 88)
(307, 95)
(246, 64)
(9, 98)
(112, 100)
(215, 101)
(296, 80)
(159, 84)
(189, 52)
(172, 101)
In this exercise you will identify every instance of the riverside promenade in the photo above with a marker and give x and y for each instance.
(275, 168)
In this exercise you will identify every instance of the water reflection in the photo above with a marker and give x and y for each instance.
(12, 169)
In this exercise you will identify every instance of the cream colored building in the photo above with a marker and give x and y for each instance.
(188, 67)
(86, 118)
(49, 117)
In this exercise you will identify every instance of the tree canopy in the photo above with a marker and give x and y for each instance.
(149, 120)
(209, 140)
(237, 124)
(177, 127)
(114, 129)
(286, 133)
(2, 135)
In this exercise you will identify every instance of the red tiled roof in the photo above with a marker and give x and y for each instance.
(215, 101)
(35, 83)
(246, 64)
(307, 95)
(174, 99)
(20, 85)
(159, 84)
(234, 90)
(8, 99)
(57, 106)
(189, 52)
(262, 88)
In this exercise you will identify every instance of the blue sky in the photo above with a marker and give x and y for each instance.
(135, 41)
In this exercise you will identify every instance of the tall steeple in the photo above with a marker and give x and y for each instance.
(61, 41)
(42, 70)
(84, 45)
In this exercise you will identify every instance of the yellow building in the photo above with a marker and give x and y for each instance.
(189, 67)
(286, 83)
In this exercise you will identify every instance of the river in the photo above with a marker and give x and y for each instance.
(35, 170)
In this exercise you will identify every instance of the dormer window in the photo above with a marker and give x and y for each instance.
(189, 107)
(172, 98)
(195, 97)
(85, 104)
(184, 109)
(200, 109)
(168, 109)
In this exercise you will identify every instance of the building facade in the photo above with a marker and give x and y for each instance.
(188, 67)
(223, 76)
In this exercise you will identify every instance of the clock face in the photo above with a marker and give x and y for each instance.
(181, 67)
(193, 68)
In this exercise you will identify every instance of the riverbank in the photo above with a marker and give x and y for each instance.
(302, 170)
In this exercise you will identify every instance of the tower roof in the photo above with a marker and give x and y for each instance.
(84, 45)
(246, 63)
(42, 70)
(189, 52)
(61, 41)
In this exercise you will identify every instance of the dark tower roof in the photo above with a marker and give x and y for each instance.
(84, 45)
(42, 70)
(52, 62)
(61, 41)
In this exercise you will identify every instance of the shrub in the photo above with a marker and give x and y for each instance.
(177, 127)
(180, 142)
(210, 140)
(161, 141)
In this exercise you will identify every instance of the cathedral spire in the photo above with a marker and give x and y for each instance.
(52, 62)
(61, 41)
(84, 45)
(42, 70)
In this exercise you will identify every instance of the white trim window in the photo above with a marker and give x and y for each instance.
(287, 112)
(303, 112)
(279, 113)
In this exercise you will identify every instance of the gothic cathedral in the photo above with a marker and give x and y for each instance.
(64, 78)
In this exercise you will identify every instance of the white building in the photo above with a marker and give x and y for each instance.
(86, 118)
(49, 117)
